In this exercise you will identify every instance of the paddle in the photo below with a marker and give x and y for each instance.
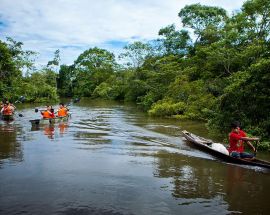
(21, 99)
(256, 146)
(36, 110)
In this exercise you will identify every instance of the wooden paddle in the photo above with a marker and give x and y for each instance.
(256, 146)
(36, 110)
(21, 99)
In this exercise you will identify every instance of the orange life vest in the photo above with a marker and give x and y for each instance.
(8, 110)
(62, 112)
(46, 114)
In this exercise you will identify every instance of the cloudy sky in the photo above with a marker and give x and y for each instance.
(76, 25)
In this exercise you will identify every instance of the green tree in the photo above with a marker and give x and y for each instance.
(65, 81)
(8, 70)
(199, 18)
(175, 42)
(135, 54)
(91, 68)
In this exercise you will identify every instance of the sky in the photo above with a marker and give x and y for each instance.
(73, 26)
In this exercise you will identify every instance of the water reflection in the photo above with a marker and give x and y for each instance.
(246, 191)
(10, 148)
(213, 184)
(48, 131)
(53, 130)
(190, 177)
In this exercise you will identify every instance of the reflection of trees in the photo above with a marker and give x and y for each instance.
(247, 190)
(9, 146)
(244, 190)
(191, 177)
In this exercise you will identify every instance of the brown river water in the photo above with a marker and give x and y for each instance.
(110, 158)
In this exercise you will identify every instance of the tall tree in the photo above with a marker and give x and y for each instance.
(92, 68)
(199, 18)
(8, 69)
(175, 42)
(135, 54)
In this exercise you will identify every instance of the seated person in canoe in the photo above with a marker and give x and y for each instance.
(237, 137)
(62, 110)
(7, 109)
(48, 113)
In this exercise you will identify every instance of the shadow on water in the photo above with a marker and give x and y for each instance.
(110, 158)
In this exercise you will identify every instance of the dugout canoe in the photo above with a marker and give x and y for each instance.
(206, 145)
(36, 122)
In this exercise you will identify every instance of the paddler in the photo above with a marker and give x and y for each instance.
(47, 114)
(236, 140)
(8, 109)
(62, 110)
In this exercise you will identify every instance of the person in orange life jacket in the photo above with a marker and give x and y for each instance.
(62, 110)
(8, 109)
(236, 139)
(12, 106)
(47, 114)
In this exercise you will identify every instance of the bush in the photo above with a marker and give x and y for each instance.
(167, 108)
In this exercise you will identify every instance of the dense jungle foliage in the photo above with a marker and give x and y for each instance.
(216, 68)
(35, 86)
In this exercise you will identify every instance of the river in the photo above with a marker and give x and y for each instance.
(110, 158)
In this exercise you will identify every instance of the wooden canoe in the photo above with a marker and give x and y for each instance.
(205, 145)
(36, 122)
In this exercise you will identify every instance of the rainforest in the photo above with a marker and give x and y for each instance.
(214, 69)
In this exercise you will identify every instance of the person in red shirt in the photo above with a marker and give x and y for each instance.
(237, 137)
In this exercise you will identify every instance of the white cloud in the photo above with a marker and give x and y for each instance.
(75, 25)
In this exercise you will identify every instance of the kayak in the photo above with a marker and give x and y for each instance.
(42, 121)
(207, 145)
